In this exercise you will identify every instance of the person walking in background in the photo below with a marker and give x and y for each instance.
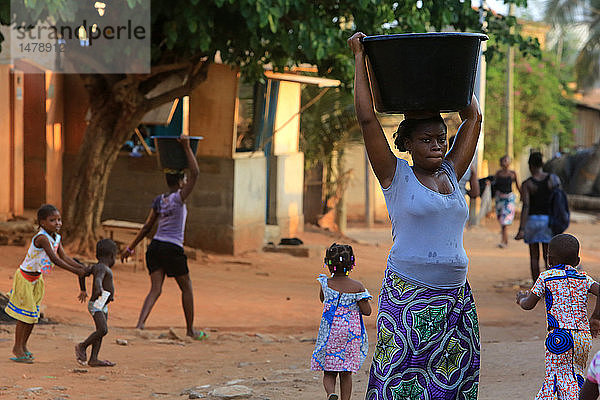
(505, 198)
(165, 255)
(342, 343)
(569, 338)
(426, 313)
(534, 225)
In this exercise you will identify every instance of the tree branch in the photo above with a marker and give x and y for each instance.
(196, 75)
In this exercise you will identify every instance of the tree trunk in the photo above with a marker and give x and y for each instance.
(117, 105)
(110, 126)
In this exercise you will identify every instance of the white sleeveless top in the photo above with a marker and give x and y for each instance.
(36, 259)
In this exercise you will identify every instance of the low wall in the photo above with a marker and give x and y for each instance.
(226, 210)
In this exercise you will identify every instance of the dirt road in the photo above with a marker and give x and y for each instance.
(262, 313)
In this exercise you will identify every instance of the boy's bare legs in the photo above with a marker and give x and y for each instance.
(187, 301)
(345, 385)
(156, 280)
(545, 254)
(95, 339)
(329, 381)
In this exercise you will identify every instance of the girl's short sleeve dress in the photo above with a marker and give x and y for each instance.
(342, 342)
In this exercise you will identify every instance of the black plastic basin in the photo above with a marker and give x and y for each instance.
(171, 153)
(422, 71)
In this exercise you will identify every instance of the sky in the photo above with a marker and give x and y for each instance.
(535, 7)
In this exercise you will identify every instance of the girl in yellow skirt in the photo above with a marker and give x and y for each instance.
(28, 285)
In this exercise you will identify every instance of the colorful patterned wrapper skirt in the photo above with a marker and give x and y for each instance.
(505, 208)
(427, 343)
(566, 356)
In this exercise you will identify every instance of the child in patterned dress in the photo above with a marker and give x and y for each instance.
(342, 343)
(569, 336)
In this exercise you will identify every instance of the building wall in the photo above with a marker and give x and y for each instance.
(5, 142)
(587, 130)
(287, 118)
(355, 198)
(34, 130)
(54, 137)
(286, 186)
(226, 209)
(213, 110)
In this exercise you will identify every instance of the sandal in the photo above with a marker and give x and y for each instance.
(200, 335)
(101, 363)
(23, 359)
(30, 355)
(332, 396)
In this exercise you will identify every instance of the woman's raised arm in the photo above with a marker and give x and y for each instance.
(380, 155)
(463, 150)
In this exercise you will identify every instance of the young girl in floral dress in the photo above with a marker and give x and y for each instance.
(342, 343)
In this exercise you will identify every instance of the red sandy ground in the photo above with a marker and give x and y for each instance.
(261, 310)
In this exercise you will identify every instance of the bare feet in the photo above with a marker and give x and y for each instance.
(80, 354)
(100, 363)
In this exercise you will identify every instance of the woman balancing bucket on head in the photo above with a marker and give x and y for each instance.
(165, 255)
(427, 330)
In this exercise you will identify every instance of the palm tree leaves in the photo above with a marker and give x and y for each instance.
(565, 14)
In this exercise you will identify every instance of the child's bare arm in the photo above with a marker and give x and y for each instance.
(67, 259)
(321, 295)
(589, 391)
(365, 307)
(527, 300)
(595, 289)
(82, 290)
(146, 228)
(44, 243)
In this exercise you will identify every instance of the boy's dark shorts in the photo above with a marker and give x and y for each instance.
(166, 256)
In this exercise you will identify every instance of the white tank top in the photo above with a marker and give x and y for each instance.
(36, 259)
(427, 229)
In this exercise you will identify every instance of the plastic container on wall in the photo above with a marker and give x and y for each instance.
(171, 153)
(422, 71)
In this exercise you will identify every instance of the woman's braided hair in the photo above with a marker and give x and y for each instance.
(409, 126)
(339, 258)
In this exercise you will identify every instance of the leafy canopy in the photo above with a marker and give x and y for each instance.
(284, 33)
(543, 109)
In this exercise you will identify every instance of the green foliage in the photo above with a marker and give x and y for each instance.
(326, 128)
(499, 29)
(543, 108)
(565, 15)
(284, 33)
(328, 125)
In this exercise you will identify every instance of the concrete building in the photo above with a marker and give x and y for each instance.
(241, 193)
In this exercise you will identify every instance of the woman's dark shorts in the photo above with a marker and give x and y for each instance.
(166, 256)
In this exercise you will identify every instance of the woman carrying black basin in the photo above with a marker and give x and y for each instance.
(427, 329)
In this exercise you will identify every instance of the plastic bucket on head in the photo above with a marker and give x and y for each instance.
(422, 71)
(171, 153)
